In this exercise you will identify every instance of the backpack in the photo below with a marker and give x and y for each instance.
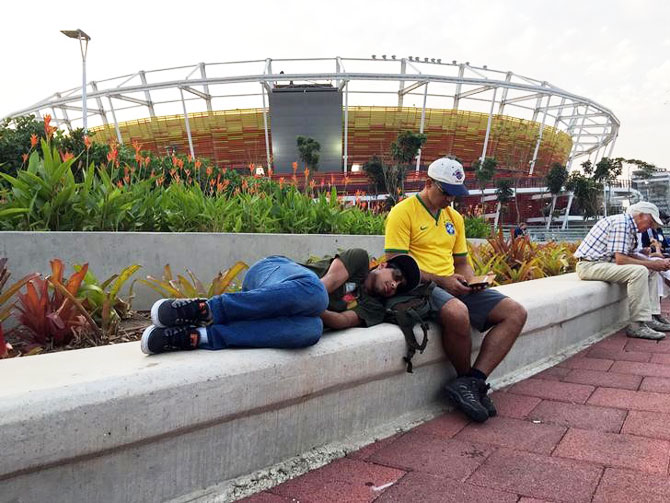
(407, 310)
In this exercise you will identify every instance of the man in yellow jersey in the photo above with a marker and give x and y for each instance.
(426, 227)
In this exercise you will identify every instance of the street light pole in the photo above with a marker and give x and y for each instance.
(83, 45)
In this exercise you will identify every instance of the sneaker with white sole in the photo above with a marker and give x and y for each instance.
(661, 318)
(644, 332)
(162, 339)
(180, 312)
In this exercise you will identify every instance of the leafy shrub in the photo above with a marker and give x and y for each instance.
(477, 228)
(181, 287)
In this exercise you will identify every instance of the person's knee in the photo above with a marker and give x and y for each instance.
(312, 333)
(638, 272)
(454, 311)
(517, 313)
(315, 296)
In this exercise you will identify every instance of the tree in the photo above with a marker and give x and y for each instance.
(308, 149)
(504, 194)
(374, 168)
(586, 191)
(555, 179)
(403, 151)
(15, 141)
(484, 172)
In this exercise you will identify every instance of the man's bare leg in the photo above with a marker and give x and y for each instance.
(455, 323)
(509, 317)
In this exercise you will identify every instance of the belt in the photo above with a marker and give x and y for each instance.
(587, 260)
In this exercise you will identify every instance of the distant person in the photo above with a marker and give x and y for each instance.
(521, 230)
(607, 253)
(430, 230)
(282, 304)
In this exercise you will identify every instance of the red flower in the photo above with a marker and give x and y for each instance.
(33, 140)
(87, 142)
(25, 158)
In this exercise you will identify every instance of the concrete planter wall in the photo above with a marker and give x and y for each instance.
(203, 253)
(112, 424)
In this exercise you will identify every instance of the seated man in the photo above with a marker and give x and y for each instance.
(607, 253)
(426, 227)
(521, 230)
(282, 304)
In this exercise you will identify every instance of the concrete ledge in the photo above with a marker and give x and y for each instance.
(111, 422)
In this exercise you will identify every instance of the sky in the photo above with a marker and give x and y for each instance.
(615, 52)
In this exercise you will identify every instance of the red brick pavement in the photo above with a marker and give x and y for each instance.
(595, 428)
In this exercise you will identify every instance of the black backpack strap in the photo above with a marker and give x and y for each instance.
(406, 321)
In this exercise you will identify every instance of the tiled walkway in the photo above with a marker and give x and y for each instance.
(594, 428)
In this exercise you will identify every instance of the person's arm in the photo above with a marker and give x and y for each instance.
(334, 278)
(653, 265)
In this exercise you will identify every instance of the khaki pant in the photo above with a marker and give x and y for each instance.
(642, 285)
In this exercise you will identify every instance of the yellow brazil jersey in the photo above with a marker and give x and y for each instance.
(433, 240)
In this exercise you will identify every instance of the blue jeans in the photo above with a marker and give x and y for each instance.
(278, 307)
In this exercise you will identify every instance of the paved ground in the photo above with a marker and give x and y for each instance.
(595, 428)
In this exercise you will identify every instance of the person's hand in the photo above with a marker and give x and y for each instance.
(456, 284)
(645, 251)
(659, 265)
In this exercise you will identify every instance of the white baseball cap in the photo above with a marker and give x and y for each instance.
(449, 175)
(646, 208)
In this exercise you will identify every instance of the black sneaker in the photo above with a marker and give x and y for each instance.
(485, 399)
(464, 392)
(160, 339)
(176, 312)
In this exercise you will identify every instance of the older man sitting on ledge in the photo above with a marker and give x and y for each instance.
(607, 254)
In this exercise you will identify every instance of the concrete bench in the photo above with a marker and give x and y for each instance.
(112, 424)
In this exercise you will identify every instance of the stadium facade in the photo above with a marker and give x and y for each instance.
(237, 113)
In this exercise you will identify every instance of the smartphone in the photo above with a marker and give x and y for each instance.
(481, 282)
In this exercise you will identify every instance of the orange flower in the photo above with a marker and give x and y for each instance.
(147, 160)
(306, 172)
(198, 164)
(126, 179)
(87, 142)
(188, 172)
(212, 182)
(24, 157)
(33, 140)
(137, 146)
(245, 184)
(66, 156)
(251, 168)
(312, 184)
(47, 126)
(270, 172)
(119, 184)
(175, 161)
(294, 165)
(281, 182)
(189, 158)
(160, 180)
(209, 170)
(226, 183)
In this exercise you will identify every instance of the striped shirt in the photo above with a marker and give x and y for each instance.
(615, 234)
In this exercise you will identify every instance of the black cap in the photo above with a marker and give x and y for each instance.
(410, 271)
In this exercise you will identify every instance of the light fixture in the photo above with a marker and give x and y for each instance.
(439, 60)
(411, 58)
(432, 60)
(355, 168)
(374, 56)
(393, 56)
(383, 56)
(485, 67)
(467, 63)
(425, 60)
(453, 61)
(83, 45)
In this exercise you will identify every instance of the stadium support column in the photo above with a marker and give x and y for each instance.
(573, 154)
(539, 137)
(403, 70)
(346, 126)
(188, 126)
(423, 120)
(116, 123)
(265, 128)
(488, 124)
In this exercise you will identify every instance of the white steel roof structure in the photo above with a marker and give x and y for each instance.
(377, 81)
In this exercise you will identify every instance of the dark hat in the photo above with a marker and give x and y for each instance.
(410, 271)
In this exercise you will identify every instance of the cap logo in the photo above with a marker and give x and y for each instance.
(458, 174)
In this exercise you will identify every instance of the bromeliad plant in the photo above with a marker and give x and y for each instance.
(50, 311)
(5, 305)
(102, 300)
(182, 287)
(517, 259)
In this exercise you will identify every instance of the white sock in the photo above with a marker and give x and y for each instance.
(203, 335)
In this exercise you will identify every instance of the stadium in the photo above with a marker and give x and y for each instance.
(250, 112)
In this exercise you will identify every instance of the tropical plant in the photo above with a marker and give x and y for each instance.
(102, 300)
(504, 194)
(477, 228)
(555, 179)
(5, 306)
(170, 286)
(53, 316)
